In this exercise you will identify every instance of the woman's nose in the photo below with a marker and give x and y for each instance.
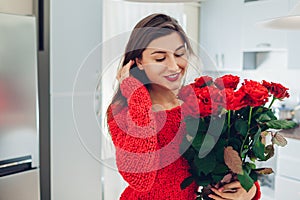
(172, 64)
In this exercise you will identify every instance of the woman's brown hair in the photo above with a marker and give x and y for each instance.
(145, 31)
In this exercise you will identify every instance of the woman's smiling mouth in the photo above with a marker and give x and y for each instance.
(172, 77)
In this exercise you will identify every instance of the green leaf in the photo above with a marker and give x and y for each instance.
(253, 175)
(244, 152)
(281, 124)
(257, 136)
(236, 143)
(264, 118)
(217, 126)
(198, 140)
(189, 154)
(220, 169)
(206, 164)
(217, 178)
(192, 125)
(258, 150)
(246, 181)
(241, 126)
(219, 149)
(268, 115)
(207, 145)
(258, 146)
(248, 167)
(186, 182)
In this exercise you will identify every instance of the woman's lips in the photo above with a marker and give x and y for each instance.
(173, 77)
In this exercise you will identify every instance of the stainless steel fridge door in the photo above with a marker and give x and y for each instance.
(19, 134)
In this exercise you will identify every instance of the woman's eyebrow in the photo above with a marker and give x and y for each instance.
(180, 47)
(158, 52)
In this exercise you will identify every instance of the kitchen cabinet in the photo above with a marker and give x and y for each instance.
(293, 43)
(221, 34)
(293, 49)
(287, 181)
(255, 36)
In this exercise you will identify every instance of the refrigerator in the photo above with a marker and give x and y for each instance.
(19, 113)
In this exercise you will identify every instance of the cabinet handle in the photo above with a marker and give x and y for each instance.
(263, 45)
(223, 60)
(217, 60)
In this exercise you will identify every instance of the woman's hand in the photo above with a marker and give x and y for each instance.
(233, 191)
(124, 71)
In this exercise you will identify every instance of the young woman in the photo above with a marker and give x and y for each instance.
(144, 117)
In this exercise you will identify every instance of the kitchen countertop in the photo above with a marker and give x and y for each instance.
(293, 133)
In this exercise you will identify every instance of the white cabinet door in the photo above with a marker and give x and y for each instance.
(231, 43)
(220, 33)
(293, 42)
(288, 160)
(257, 36)
(287, 181)
(211, 22)
(286, 189)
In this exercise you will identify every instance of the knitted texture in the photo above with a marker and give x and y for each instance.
(147, 147)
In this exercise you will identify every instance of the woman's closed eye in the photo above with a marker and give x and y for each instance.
(160, 59)
(180, 53)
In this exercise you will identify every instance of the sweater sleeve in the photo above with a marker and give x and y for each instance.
(134, 136)
(258, 192)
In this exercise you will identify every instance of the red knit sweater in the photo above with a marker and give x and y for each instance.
(147, 147)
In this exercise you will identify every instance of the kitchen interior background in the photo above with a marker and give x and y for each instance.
(81, 155)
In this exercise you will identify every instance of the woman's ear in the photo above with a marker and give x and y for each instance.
(139, 63)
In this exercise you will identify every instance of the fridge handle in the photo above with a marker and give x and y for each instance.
(41, 24)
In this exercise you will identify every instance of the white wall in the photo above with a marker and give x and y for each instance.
(74, 31)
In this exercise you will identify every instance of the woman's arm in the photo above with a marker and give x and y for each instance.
(134, 135)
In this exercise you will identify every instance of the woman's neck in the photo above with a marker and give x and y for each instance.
(163, 99)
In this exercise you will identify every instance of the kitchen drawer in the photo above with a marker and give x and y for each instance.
(288, 160)
(20, 186)
(286, 189)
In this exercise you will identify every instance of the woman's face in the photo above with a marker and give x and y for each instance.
(165, 62)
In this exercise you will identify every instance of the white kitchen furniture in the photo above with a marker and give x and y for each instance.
(231, 35)
(221, 34)
(287, 179)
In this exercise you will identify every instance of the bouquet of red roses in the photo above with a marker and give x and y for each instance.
(226, 130)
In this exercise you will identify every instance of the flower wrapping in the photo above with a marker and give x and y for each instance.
(227, 128)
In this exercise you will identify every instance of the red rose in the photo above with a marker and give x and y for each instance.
(266, 84)
(203, 81)
(276, 89)
(234, 100)
(254, 93)
(185, 92)
(279, 91)
(227, 81)
(210, 100)
(190, 107)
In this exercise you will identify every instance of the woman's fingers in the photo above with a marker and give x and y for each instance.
(124, 71)
(215, 197)
(222, 195)
(231, 187)
(234, 191)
